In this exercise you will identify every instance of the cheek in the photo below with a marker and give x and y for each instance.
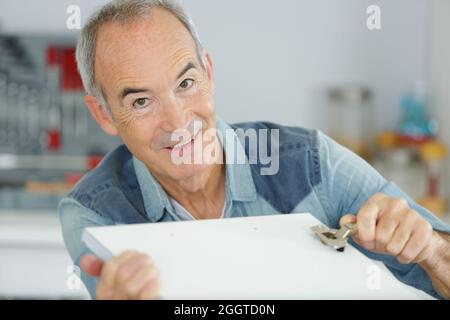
(135, 130)
(203, 102)
(125, 121)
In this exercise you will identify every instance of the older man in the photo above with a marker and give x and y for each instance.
(147, 76)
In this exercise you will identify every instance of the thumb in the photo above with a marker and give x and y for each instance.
(349, 218)
(92, 265)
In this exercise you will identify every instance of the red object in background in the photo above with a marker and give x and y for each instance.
(52, 56)
(71, 80)
(54, 140)
(73, 178)
(433, 186)
(93, 161)
(65, 59)
(413, 140)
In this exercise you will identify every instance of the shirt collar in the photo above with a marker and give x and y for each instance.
(239, 180)
(154, 196)
(238, 176)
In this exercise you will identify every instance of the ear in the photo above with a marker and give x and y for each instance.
(209, 68)
(101, 116)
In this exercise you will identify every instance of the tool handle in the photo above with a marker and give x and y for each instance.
(347, 230)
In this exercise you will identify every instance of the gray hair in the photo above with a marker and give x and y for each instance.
(123, 11)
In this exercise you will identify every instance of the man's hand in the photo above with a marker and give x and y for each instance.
(389, 226)
(130, 275)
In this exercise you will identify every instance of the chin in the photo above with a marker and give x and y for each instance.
(185, 172)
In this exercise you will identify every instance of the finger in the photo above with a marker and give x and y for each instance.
(108, 273)
(92, 265)
(140, 280)
(378, 197)
(367, 219)
(417, 242)
(386, 226)
(401, 235)
(151, 290)
(349, 218)
(130, 267)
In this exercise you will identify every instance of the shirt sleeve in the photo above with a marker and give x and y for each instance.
(347, 183)
(74, 219)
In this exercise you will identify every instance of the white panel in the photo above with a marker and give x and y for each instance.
(270, 257)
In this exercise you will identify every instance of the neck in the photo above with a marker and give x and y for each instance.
(206, 202)
(206, 199)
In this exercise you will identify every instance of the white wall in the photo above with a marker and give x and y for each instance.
(440, 64)
(273, 58)
(440, 71)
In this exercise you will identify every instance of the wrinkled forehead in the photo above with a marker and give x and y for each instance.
(129, 49)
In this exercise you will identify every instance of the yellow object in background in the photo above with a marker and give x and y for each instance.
(436, 204)
(387, 140)
(433, 151)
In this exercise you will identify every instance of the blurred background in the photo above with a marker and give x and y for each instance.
(383, 93)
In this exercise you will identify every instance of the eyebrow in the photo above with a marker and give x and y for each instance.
(188, 67)
(127, 90)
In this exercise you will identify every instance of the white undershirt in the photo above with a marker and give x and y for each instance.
(183, 213)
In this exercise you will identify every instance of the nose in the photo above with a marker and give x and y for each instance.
(175, 115)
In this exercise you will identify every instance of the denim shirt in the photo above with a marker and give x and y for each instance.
(316, 175)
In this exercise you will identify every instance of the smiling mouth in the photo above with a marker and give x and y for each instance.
(181, 146)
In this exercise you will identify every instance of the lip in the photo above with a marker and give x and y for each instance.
(184, 145)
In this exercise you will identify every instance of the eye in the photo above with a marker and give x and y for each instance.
(187, 84)
(141, 103)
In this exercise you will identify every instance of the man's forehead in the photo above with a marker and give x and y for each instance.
(128, 50)
(157, 29)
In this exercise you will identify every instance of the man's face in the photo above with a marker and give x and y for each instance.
(153, 81)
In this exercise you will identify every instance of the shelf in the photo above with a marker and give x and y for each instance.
(43, 162)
